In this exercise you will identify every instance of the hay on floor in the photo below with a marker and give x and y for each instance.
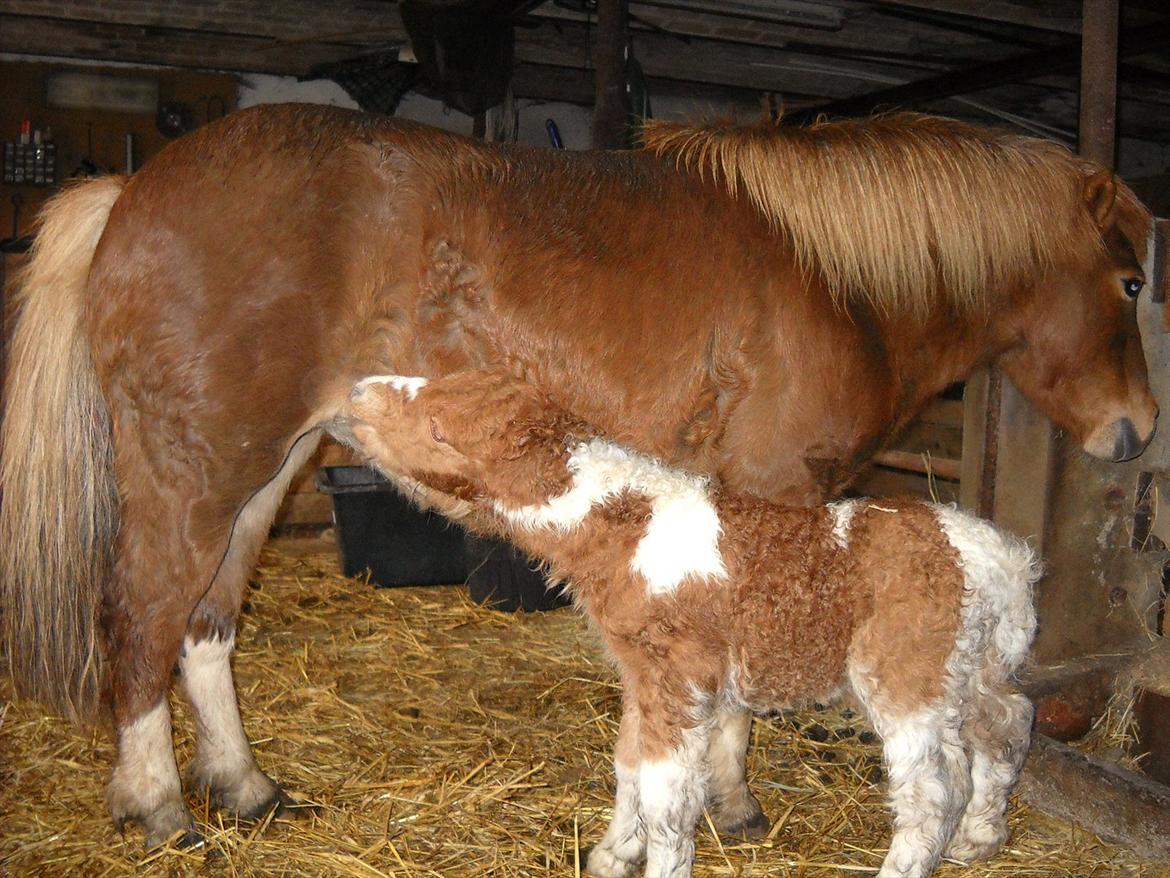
(427, 736)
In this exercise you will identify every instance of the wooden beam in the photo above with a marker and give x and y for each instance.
(1120, 806)
(970, 79)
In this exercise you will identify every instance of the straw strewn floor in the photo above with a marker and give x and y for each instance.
(435, 738)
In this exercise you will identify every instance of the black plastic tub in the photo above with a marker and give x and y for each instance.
(504, 578)
(380, 531)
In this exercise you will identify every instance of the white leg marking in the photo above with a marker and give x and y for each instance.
(618, 854)
(672, 792)
(223, 758)
(842, 513)
(145, 784)
(407, 383)
(929, 788)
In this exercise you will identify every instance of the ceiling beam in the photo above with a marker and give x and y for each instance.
(959, 82)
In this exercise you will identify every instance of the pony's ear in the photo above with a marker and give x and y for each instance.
(1101, 198)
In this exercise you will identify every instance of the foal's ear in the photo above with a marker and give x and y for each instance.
(1101, 198)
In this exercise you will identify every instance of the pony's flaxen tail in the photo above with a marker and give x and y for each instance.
(58, 499)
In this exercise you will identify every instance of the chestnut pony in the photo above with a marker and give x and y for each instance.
(766, 304)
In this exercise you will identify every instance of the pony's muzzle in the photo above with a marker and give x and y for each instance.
(1127, 443)
(1118, 441)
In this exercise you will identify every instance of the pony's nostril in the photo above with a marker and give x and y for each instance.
(1127, 443)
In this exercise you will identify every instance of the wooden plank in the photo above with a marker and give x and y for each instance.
(940, 467)
(1025, 459)
(976, 469)
(982, 76)
(1120, 806)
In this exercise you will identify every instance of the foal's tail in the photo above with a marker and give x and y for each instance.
(58, 498)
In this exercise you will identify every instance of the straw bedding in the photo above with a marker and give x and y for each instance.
(426, 736)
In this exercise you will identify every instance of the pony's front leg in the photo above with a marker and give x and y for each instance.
(734, 810)
(672, 786)
(623, 849)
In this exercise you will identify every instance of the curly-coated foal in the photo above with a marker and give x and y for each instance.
(711, 603)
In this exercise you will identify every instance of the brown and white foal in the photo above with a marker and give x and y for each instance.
(711, 603)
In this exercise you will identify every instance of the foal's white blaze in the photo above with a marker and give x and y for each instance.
(406, 383)
(682, 538)
(842, 514)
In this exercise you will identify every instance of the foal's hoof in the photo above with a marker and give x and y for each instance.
(597, 862)
(278, 804)
(750, 828)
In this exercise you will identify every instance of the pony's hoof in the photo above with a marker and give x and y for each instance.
(190, 840)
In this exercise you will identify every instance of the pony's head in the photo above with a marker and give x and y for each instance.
(478, 436)
(1073, 346)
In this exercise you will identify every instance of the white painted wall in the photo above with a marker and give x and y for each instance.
(572, 121)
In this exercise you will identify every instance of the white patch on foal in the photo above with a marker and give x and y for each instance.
(682, 538)
(409, 384)
(842, 514)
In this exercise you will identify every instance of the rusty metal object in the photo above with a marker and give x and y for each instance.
(1070, 696)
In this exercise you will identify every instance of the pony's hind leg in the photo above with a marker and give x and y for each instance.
(224, 765)
(146, 614)
(996, 732)
(734, 810)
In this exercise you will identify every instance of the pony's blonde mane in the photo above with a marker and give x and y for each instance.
(903, 209)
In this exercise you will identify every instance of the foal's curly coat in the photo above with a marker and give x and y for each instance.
(713, 605)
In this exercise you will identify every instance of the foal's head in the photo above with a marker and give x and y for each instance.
(1075, 349)
(480, 436)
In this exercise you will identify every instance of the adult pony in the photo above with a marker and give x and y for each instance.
(766, 304)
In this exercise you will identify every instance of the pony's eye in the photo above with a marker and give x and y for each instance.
(436, 434)
(1132, 286)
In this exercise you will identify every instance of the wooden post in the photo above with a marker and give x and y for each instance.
(611, 111)
(1098, 118)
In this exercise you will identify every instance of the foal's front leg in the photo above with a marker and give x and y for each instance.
(672, 786)
(734, 810)
(623, 849)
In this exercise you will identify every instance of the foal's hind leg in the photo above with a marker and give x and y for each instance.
(997, 733)
(223, 763)
(930, 784)
(734, 810)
